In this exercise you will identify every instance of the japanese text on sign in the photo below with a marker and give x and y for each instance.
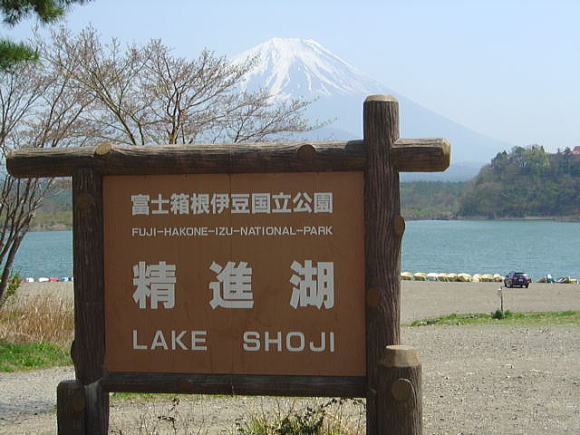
(236, 203)
(235, 273)
(313, 285)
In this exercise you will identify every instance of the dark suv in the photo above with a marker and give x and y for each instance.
(517, 278)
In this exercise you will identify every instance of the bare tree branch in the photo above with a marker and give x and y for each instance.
(85, 91)
(145, 94)
(38, 108)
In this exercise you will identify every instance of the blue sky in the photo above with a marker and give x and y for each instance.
(509, 69)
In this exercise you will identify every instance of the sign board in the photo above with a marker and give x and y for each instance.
(235, 273)
(241, 269)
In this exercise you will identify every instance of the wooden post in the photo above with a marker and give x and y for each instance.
(70, 408)
(392, 384)
(400, 404)
(382, 243)
(89, 345)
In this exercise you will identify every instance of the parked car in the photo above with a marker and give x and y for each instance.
(517, 278)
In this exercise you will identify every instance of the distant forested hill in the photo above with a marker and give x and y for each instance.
(419, 200)
(55, 212)
(430, 199)
(525, 182)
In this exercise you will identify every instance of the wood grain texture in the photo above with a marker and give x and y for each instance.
(97, 409)
(236, 384)
(89, 343)
(410, 155)
(189, 159)
(421, 155)
(70, 408)
(400, 387)
(382, 244)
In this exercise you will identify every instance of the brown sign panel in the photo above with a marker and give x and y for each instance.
(235, 274)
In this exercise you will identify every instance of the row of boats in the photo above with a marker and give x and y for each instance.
(405, 276)
(451, 277)
(562, 280)
(466, 277)
(51, 279)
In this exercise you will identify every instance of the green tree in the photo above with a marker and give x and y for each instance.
(13, 11)
(525, 182)
(500, 162)
(536, 160)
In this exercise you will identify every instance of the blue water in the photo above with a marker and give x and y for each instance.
(45, 254)
(536, 247)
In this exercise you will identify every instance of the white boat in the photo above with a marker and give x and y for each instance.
(464, 277)
(433, 276)
(420, 276)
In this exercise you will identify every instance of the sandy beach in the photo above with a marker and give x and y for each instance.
(491, 379)
(422, 299)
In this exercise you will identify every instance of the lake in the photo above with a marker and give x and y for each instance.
(536, 247)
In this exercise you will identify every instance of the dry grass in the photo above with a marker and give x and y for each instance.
(239, 415)
(40, 319)
(311, 416)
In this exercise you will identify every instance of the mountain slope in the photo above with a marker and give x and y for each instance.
(302, 67)
(298, 68)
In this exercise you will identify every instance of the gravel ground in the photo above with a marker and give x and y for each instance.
(476, 380)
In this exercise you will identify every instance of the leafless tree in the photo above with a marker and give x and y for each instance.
(38, 108)
(145, 94)
(85, 91)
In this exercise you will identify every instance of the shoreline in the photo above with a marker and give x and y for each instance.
(493, 379)
(564, 219)
(423, 299)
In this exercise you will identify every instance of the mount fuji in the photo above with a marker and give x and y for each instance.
(301, 68)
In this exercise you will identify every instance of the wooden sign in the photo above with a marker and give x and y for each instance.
(241, 269)
(235, 274)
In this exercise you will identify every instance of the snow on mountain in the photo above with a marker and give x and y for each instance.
(293, 68)
(289, 68)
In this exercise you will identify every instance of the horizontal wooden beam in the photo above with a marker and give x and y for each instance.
(421, 155)
(411, 155)
(262, 385)
(189, 159)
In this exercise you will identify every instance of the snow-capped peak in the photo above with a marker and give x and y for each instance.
(292, 67)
